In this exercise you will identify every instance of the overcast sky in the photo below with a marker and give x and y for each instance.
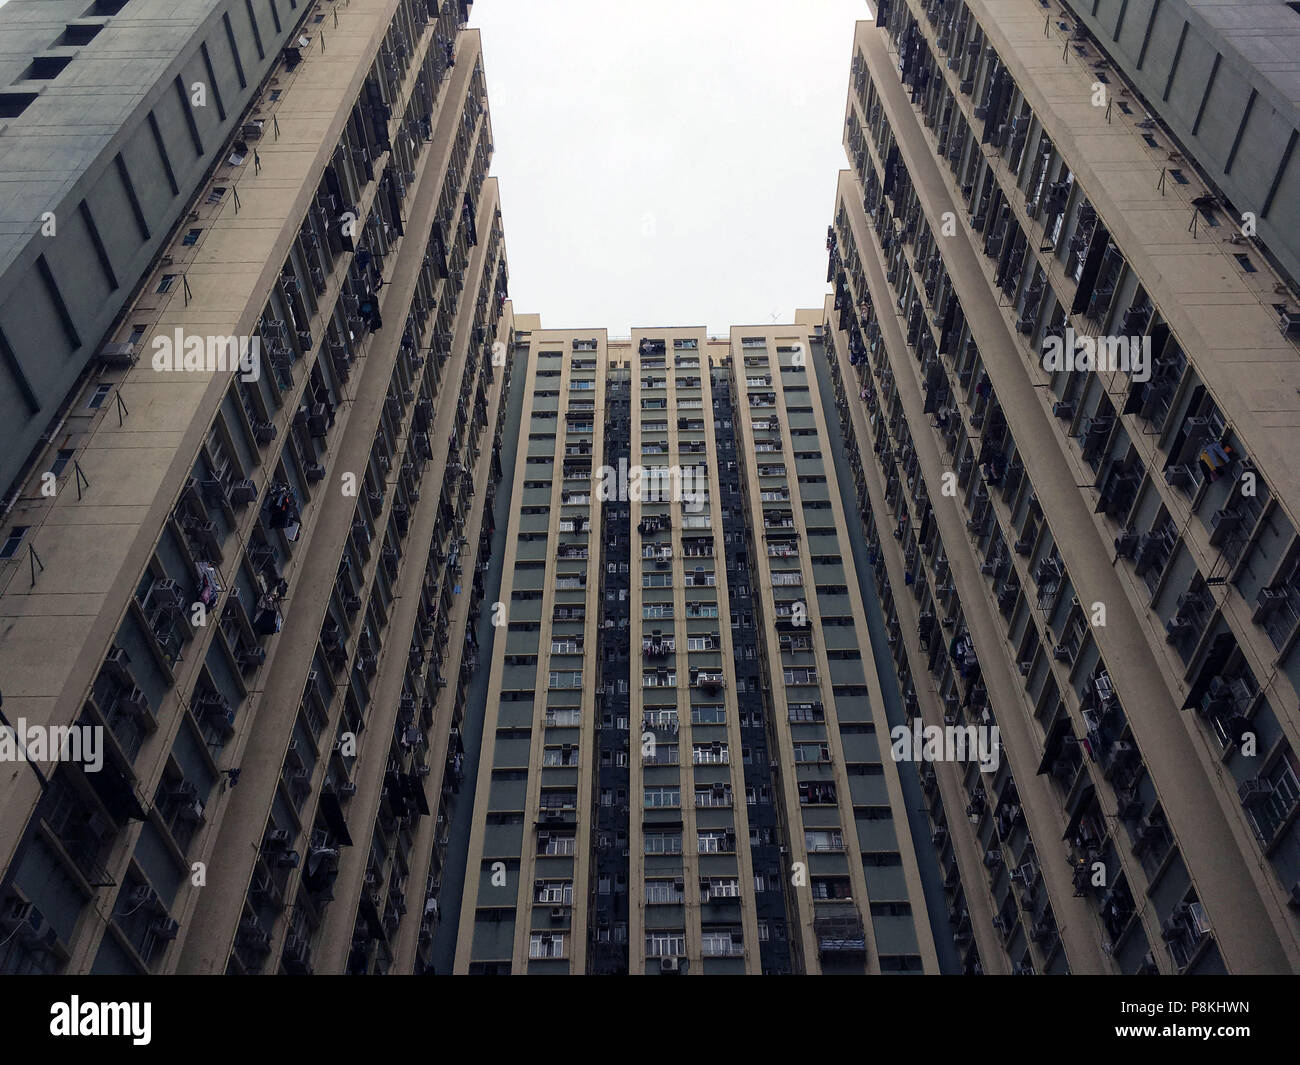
(667, 163)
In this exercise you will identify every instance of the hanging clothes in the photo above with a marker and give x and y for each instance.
(1215, 459)
(209, 586)
(267, 620)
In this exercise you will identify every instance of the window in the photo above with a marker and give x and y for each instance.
(15, 538)
(806, 711)
(660, 892)
(663, 797)
(663, 843)
(665, 944)
(709, 754)
(825, 839)
(715, 841)
(816, 792)
(720, 887)
(1244, 262)
(660, 717)
(555, 892)
(812, 752)
(558, 845)
(546, 945)
(722, 943)
(45, 67)
(662, 754)
(61, 460)
(1279, 794)
(96, 399)
(13, 104)
(165, 282)
(75, 36)
(558, 799)
(191, 238)
(713, 795)
(215, 195)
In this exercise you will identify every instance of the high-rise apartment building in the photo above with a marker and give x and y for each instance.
(685, 760)
(351, 623)
(255, 586)
(1067, 370)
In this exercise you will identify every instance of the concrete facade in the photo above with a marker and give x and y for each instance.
(1223, 83)
(1103, 560)
(670, 647)
(112, 115)
(258, 585)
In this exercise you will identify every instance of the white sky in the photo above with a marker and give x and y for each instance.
(667, 163)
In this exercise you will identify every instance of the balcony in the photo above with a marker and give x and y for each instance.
(840, 935)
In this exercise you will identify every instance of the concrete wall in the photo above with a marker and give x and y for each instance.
(108, 147)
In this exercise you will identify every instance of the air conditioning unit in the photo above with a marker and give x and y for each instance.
(118, 356)
(137, 703)
(164, 593)
(1268, 600)
(142, 896)
(669, 965)
(1063, 409)
(1195, 432)
(1253, 791)
(1126, 545)
(16, 912)
(242, 492)
(164, 928)
(1222, 524)
(1131, 809)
